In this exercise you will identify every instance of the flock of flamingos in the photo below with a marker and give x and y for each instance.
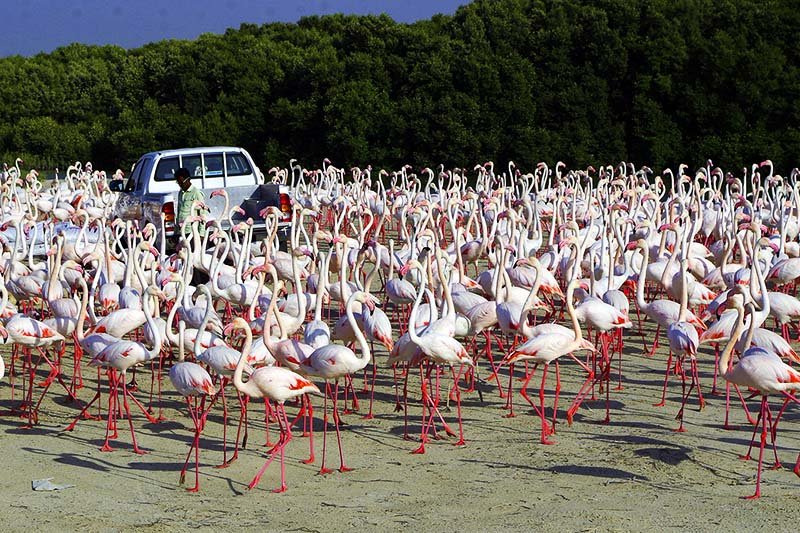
(464, 277)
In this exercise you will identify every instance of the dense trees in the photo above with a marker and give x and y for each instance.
(656, 81)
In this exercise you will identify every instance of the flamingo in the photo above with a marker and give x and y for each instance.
(547, 348)
(684, 341)
(271, 383)
(334, 361)
(192, 380)
(440, 349)
(120, 356)
(762, 371)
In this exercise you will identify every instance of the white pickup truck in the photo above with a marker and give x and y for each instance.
(152, 190)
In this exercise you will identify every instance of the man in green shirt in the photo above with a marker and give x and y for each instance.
(186, 198)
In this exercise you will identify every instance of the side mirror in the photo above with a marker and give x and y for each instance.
(116, 185)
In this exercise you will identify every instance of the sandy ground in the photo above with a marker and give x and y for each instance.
(634, 474)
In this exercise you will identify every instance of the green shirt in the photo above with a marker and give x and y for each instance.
(185, 200)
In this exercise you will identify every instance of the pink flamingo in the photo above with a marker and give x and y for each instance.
(764, 372)
(271, 383)
(120, 356)
(191, 380)
(334, 361)
(440, 349)
(547, 348)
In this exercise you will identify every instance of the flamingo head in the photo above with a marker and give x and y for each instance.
(668, 226)
(155, 291)
(237, 323)
(563, 243)
(150, 248)
(3, 335)
(640, 243)
(218, 192)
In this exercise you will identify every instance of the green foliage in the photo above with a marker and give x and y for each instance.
(587, 82)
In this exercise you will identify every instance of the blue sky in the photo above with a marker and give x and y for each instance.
(33, 26)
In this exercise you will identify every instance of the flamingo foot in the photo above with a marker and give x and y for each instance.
(323, 471)
(776, 466)
(547, 442)
(662, 403)
(755, 496)
(368, 416)
(344, 469)
(106, 448)
(420, 450)
(280, 489)
(461, 442)
(196, 488)
(510, 415)
(745, 457)
(308, 461)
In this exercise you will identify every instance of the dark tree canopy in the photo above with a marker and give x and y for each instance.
(651, 81)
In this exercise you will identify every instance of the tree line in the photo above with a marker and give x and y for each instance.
(656, 82)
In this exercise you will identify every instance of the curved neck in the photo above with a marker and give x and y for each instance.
(725, 358)
(248, 342)
(571, 310)
(171, 337)
(362, 341)
(684, 291)
(218, 262)
(198, 349)
(412, 327)
(81, 318)
(642, 275)
(148, 316)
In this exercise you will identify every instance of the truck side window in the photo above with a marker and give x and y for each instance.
(165, 171)
(237, 164)
(213, 165)
(193, 165)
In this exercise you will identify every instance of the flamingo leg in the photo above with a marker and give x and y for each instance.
(666, 380)
(545, 432)
(113, 384)
(461, 441)
(125, 395)
(322, 469)
(342, 466)
(762, 417)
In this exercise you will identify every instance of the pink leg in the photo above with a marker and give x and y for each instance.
(545, 432)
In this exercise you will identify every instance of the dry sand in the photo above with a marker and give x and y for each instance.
(635, 474)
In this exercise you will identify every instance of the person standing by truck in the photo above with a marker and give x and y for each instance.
(186, 198)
